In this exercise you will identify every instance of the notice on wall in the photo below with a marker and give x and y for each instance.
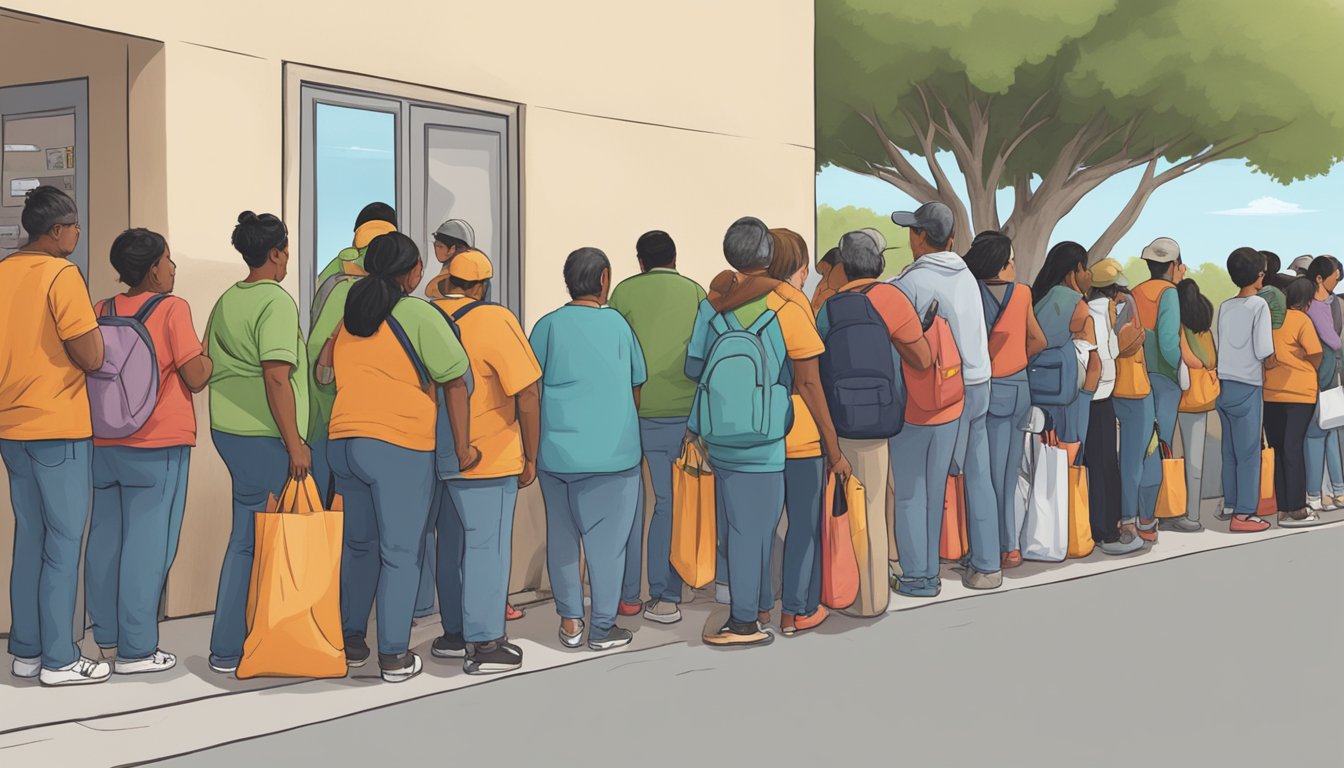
(60, 158)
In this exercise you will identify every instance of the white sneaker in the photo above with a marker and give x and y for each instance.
(571, 641)
(403, 673)
(82, 672)
(157, 662)
(26, 669)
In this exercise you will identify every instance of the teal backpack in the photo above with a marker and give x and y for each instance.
(742, 399)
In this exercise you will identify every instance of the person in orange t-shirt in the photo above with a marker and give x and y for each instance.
(1290, 400)
(140, 481)
(49, 341)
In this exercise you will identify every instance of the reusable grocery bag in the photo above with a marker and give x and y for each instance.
(1331, 414)
(1172, 494)
(954, 543)
(857, 512)
(1045, 535)
(694, 525)
(294, 599)
(1269, 504)
(1080, 517)
(839, 566)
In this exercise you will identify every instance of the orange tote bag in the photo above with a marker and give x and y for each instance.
(954, 544)
(839, 566)
(1172, 494)
(694, 525)
(1269, 504)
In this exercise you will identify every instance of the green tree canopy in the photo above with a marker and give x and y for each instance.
(833, 223)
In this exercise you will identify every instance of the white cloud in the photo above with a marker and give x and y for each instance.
(1267, 206)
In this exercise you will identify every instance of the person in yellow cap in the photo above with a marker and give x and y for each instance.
(453, 237)
(473, 513)
(373, 220)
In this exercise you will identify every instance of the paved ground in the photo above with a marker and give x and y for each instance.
(1230, 657)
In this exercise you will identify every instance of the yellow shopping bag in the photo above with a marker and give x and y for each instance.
(694, 525)
(1172, 494)
(294, 599)
(1081, 543)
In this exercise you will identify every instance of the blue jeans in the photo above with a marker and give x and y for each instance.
(319, 445)
(1009, 401)
(971, 455)
(474, 521)
(661, 439)
(1135, 417)
(920, 458)
(139, 495)
(1241, 408)
(1166, 402)
(1322, 453)
(387, 491)
(50, 485)
(750, 503)
(424, 595)
(595, 512)
(258, 467)
(804, 482)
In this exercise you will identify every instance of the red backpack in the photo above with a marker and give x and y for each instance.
(939, 386)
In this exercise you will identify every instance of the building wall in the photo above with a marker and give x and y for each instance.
(680, 117)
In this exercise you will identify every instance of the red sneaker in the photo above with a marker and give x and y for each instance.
(511, 613)
(1148, 534)
(1010, 559)
(629, 609)
(1247, 525)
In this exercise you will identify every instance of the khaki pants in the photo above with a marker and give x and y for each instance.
(872, 466)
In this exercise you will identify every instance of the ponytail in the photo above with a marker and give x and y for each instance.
(372, 298)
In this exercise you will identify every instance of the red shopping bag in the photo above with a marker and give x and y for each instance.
(839, 565)
(955, 543)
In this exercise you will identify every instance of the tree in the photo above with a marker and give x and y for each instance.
(1053, 97)
(832, 223)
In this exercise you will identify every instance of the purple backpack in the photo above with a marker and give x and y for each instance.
(123, 393)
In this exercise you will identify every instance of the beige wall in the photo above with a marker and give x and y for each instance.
(679, 116)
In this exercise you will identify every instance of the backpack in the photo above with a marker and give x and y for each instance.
(445, 447)
(992, 306)
(940, 385)
(1052, 374)
(742, 399)
(859, 373)
(324, 291)
(124, 391)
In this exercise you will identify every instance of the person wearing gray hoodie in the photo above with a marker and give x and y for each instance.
(939, 274)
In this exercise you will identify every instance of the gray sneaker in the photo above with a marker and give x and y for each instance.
(973, 579)
(614, 638)
(1180, 525)
(1303, 518)
(662, 612)
(1124, 546)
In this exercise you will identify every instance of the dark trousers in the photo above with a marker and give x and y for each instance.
(1286, 430)
(1103, 472)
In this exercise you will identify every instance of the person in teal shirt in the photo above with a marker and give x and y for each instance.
(258, 409)
(589, 454)
(660, 305)
(1162, 353)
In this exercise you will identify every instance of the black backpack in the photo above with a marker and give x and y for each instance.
(860, 373)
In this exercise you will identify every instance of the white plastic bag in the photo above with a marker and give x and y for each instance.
(1045, 533)
(1022, 492)
(1332, 409)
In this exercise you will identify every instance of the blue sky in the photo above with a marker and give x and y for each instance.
(356, 165)
(1209, 212)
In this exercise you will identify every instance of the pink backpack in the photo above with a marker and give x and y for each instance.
(123, 393)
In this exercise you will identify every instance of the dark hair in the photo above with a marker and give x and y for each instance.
(656, 249)
(1273, 275)
(583, 272)
(1062, 260)
(44, 208)
(1196, 309)
(453, 242)
(1106, 291)
(371, 299)
(1159, 269)
(790, 255)
(932, 244)
(1245, 265)
(989, 254)
(376, 212)
(463, 285)
(1299, 293)
(256, 236)
(135, 252)
(1321, 267)
(831, 258)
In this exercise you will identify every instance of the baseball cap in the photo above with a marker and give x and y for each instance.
(1163, 250)
(1108, 272)
(862, 241)
(1301, 263)
(457, 229)
(471, 266)
(935, 219)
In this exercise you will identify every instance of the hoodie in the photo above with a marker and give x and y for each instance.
(944, 277)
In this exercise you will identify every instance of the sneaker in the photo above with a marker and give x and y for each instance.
(662, 612)
(732, 635)
(1128, 543)
(791, 625)
(26, 669)
(399, 669)
(918, 587)
(155, 662)
(1322, 503)
(973, 579)
(1226, 514)
(1010, 559)
(1338, 500)
(511, 613)
(574, 640)
(615, 638)
(1248, 524)
(1302, 518)
(449, 647)
(629, 609)
(492, 658)
(1180, 525)
(223, 666)
(1148, 533)
(356, 650)
(82, 672)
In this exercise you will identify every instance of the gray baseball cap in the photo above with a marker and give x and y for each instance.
(860, 242)
(935, 219)
(1163, 250)
(457, 229)
(1301, 263)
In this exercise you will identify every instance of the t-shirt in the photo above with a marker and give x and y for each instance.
(660, 307)
(1278, 304)
(590, 361)
(321, 396)
(378, 394)
(1245, 339)
(1293, 380)
(804, 438)
(173, 420)
(250, 324)
(42, 392)
(800, 340)
(1323, 319)
(502, 365)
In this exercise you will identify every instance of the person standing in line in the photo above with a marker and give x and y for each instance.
(453, 236)
(258, 409)
(1245, 352)
(1272, 290)
(660, 305)
(1197, 400)
(939, 274)
(1324, 275)
(49, 343)
(373, 220)
(589, 456)
(1104, 483)
(1014, 338)
(1058, 291)
(825, 288)
(1290, 399)
(140, 481)
(1332, 442)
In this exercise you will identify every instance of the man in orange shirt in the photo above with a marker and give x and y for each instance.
(50, 341)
